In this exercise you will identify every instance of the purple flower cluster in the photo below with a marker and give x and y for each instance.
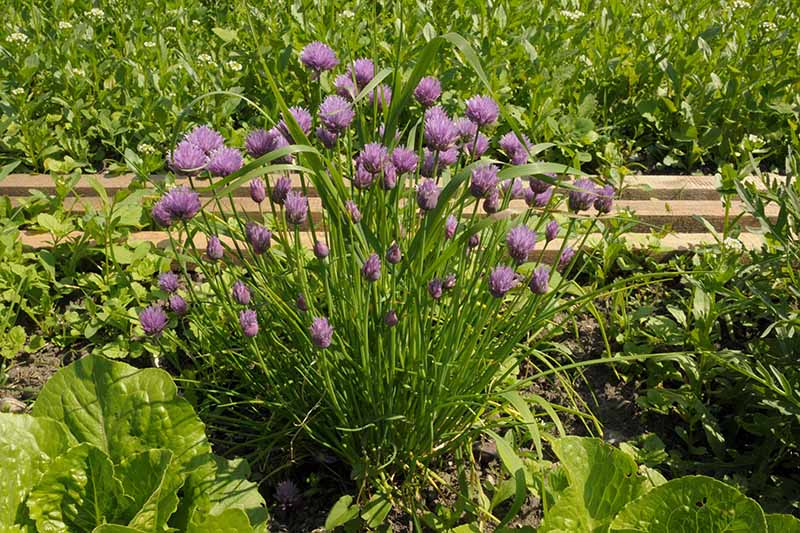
(296, 206)
(303, 119)
(318, 57)
(482, 110)
(321, 250)
(372, 268)
(404, 160)
(428, 90)
(383, 95)
(393, 254)
(520, 240)
(153, 320)
(224, 161)
(428, 195)
(336, 114)
(258, 193)
(540, 280)
(168, 282)
(248, 320)
(214, 249)
(515, 149)
(259, 237)
(260, 142)
(604, 200)
(551, 230)
(484, 181)
(321, 332)
(581, 195)
(450, 226)
(203, 148)
(281, 190)
(352, 208)
(501, 280)
(240, 293)
(180, 203)
(440, 131)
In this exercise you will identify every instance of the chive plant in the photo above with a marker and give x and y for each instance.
(395, 273)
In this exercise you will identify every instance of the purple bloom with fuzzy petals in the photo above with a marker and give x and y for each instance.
(393, 254)
(168, 282)
(259, 237)
(449, 282)
(248, 320)
(404, 160)
(530, 197)
(259, 142)
(448, 157)
(318, 57)
(604, 200)
(303, 119)
(440, 131)
(427, 195)
(296, 208)
(389, 181)
(373, 156)
(362, 179)
(160, 214)
(153, 320)
(214, 249)
(383, 93)
(336, 113)
(474, 240)
(391, 319)
(441, 160)
(484, 181)
(551, 230)
(205, 138)
(258, 193)
(224, 161)
(521, 241)
(541, 200)
(566, 257)
(492, 202)
(540, 280)
(321, 250)
(301, 303)
(281, 190)
(345, 87)
(327, 138)
(478, 147)
(582, 195)
(240, 293)
(321, 332)
(178, 305)
(187, 159)
(352, 208)
(467, 130)
(435, 288)
(450, 226)
(501, 280)
(372, 268)
(482, 110)
(287, 493)
(515, 149)
(538, 186)
(428, 90)
(279, 141)
(515, 187)
(364, 70)
(181, 203)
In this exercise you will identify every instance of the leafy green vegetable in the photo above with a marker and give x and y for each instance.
(782, 523)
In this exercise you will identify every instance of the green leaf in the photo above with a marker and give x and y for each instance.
(12, 342)
(152, 480)
(53, 225)
(116, 528)
(692, 504)
(376, 510)
(341, 513)
(602, 480)
(230, 521)
(225, 34)
(78, 492)
(782, 523)
(230, 489)
(27, 446)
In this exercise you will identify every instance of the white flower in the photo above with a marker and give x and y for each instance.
(17, 37)
(170, 28)
(195, 22)
(234, 66)
(734, 244)
(205, 58)
(769, 26)
(18, 91)
(96, 13)
(145, 148)
(64, 25)
(740, 4)
(149, 44)
(585, 60)
(572, 15)
(79, 72)
(347, 14)
(755, 139)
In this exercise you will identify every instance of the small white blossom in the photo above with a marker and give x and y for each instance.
(18, 91)
(205, 58)
(583, 58)
(740, 4)
(347, 14)
(170, 28)
(734, 244)
(96, 13)
(572, 15)
(195, 22)
(17, 37)
(769, 26)
(234, 66)
(755, 139)
(64, 25)
(79, 72)
(145, 148)
(149, 44)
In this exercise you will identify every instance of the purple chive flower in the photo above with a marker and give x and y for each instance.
(515, 149)
(474, 240)
(318, 57)
(363, 70)
(383, 93)
(389, 181)
(427, 195)
(484, 181)
(352, 208)
(240, 293)
(404, 160)
(428, 90)
(393, 254)
(449, 282)
(520, 241)
(540, 280)
(248, 320)
(287, 493)
(205, 138)
(566, 257)
(214, 249)
(301, 303)
(551, 230)
(372, 268)
(257, 191)
(373, 156)
(321, 332)
(515, 187)
(187, 158)
(391, 319)
(492, 202)
(168, 282)
(303, 119)
(327, 138)
(321, 250)
(181, 203)
(440, 132)
(224, 161)
(435, 288)
(467, 130)
(478, 147)
(482, 110)
(450, 226)
(336, 113)
(259, 142)
(345, 87)
(160, 214)
(501, 280)
(178, 305)
(582, 195)
(539, 186)
(541, 200)
(280, 142)
(296, 208)
(448, 157)
(604, 199)
(259, 237)
(281, 190)
(529, 196)
(153, 320)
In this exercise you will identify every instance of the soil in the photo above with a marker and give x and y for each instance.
(26, 375)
